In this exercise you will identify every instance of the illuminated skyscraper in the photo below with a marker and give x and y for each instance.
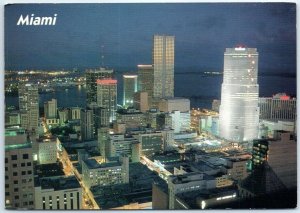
(146, 81)
(163, 65)
(239, 112)
(129, 88)
(91, 86)
(29, 106)
(107, 96)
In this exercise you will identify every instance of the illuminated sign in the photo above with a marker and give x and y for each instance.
(284, 97)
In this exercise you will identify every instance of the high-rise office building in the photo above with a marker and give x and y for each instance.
(101, 116)
(174, 104)
(50, 108)
(146, 80)
(129, 88)
(141, 101)
(239, 112)
(19, 179)
(279, 107)
(107, 96)
(29, 106)
(87, 124)
(163, 65)
(74, 113)
(103, 139)
(63, 115)
(91, 82)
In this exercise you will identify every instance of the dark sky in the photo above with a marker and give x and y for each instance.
(202, 32)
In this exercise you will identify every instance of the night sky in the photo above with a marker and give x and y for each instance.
(202, 32)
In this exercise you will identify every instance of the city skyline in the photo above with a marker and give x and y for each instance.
(268, 27)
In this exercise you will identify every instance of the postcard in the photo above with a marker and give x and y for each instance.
(178, 106)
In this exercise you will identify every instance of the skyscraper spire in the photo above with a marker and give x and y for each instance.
(102, 55)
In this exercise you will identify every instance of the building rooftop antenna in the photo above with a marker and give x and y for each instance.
(102, 55)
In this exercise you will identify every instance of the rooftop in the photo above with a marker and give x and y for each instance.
(190, 177)
(49, 170)
(138, 190)
(93, 164)
(14, 131)
(18, 146)
(165, 158)
(60, 183)
(128, 112)
(100, 70)
(191, 197)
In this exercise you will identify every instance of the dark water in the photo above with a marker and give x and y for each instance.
(200, 90)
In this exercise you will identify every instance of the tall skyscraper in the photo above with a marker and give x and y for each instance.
(146, 81)
(87, 124)
(163, 65)
(129, 88)
(29, 106)
(91, 82)
(50, 108)
(107, 96)
(239, 112)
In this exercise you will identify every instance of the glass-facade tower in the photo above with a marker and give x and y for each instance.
(107, 96)
(129, 88)
(239, 112)
(91, 82)
(29, 106)
(163, 65)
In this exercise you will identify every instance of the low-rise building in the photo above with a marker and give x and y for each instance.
(119, 144)
(136, 194)
(188, 182)
(46, 150)
(206, 199)
(60, 193)
(181, 121)
(52, 122)
(103, 174)
(131, 118)
(151, 143)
